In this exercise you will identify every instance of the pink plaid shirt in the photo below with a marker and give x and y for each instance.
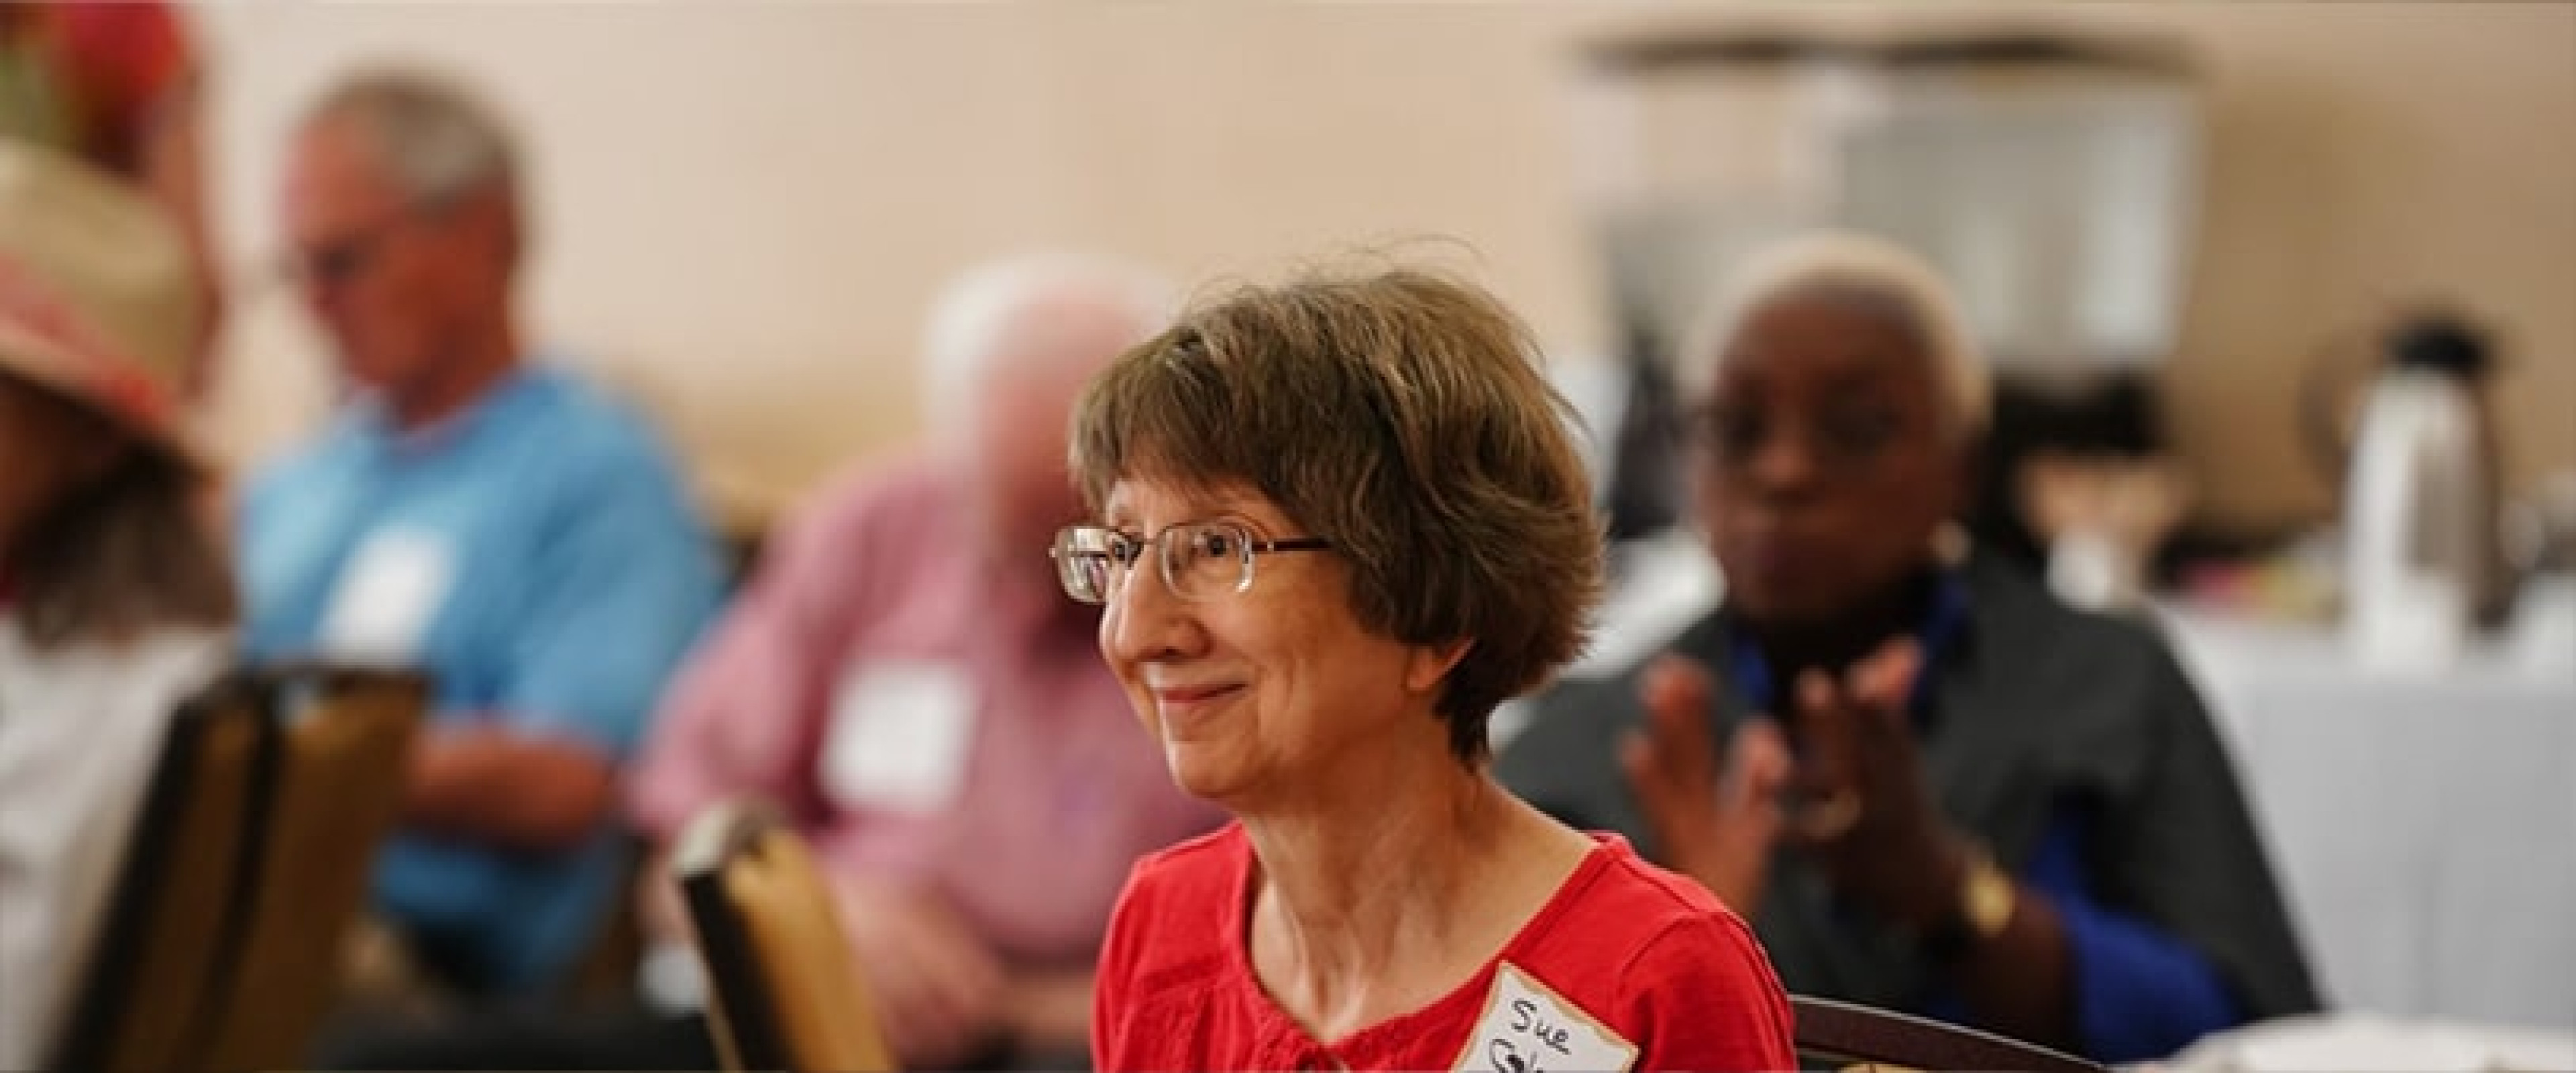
(1060, 790)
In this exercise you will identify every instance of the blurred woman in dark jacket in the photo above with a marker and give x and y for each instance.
(1931, 785)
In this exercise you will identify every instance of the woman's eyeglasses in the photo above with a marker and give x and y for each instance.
(1199, 560)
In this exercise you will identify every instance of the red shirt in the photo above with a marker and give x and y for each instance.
(1627, 966)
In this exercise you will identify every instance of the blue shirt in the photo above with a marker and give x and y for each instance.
(538, 556)
(2140, 993)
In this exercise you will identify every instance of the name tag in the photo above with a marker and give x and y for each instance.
(388, 596)
(900, 736)
(1527, 1028)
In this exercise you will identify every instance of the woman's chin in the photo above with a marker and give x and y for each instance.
(1203, 771)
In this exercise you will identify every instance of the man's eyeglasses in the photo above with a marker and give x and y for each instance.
(336, 263)
(1199, 560)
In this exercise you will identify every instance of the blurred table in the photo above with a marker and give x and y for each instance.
(2361, 1043)
(2424, 823)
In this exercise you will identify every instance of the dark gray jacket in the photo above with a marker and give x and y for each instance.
(2036, 707)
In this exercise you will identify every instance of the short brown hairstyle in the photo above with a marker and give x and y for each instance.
(1402, 415)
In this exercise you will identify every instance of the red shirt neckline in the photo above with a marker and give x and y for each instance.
(1283, 1030)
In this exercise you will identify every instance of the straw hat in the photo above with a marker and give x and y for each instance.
(97, 296)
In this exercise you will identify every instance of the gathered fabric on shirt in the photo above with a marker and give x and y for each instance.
(1627, 966)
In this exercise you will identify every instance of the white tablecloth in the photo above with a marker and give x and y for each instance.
(2425, 824)
(2362, 1043)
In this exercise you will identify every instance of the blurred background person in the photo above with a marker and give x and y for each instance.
(120, 85)
(904, 680)
(1940, 789)
(1339, 520)
(115, 597)
(476, 513)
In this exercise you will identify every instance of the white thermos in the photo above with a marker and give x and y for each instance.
(2419, 503)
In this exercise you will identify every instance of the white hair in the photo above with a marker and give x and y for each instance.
(437, 139)
(1847, 263)
(982, 314)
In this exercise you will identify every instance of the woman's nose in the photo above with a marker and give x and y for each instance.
(1142, 619)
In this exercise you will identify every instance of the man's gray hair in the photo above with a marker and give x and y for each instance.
(982, 313)
(1862, 267)
(439, 141)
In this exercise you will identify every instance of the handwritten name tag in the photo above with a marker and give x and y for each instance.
(1527, 1028)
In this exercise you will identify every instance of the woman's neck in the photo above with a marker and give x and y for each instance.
(1375, 902)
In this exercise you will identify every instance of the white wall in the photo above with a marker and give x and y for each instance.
(744, 206)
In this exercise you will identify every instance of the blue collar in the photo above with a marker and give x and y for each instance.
(372, 423)
(1943, 623)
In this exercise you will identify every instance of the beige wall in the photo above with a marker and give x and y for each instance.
(745, 206)
(2362, 156)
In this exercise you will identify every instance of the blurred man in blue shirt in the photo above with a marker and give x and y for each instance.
(477, 514)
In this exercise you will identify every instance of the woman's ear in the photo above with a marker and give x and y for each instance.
(1429, 665)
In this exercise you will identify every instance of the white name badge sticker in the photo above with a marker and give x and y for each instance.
(1527, 1028)
(899, 736)
(389, 594)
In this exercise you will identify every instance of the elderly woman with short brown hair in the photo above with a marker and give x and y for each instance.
(1339, 521)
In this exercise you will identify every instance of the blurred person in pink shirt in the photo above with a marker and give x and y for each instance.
(902, 678)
